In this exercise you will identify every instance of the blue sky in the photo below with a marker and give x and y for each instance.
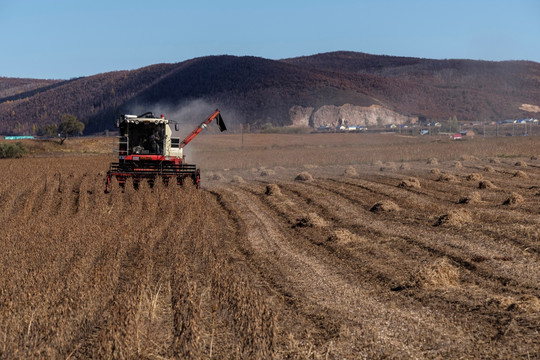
(61, 39)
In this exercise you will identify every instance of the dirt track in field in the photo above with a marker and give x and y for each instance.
(396, 281)
(310, 270)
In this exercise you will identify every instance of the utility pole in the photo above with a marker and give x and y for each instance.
(242, 132)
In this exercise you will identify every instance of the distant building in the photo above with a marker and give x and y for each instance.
(20, 137)
(353, 128)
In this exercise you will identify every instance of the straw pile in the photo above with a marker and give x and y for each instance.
(238, 179)
(514, 199)
(344, 237)
(350, 171)
(472, 198)
(405, 166)
(474, 177)
(384, 206)
(272, 190)
(304, 176)
(486, 184)
(267, 172)
(454, 218)
(439, 274)
(310, 220)
(410, 183)
(521, 174)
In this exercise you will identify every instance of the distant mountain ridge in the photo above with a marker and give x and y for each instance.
(310, 90)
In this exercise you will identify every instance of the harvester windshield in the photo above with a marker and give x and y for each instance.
(146, 138)
(143, 134)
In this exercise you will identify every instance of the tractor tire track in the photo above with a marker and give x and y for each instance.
(456, 246)
(319, 283)
(417, 202)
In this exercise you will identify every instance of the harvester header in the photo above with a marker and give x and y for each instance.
(148, 149)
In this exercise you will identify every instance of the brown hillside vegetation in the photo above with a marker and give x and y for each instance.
(13, 87)
(260, 91)
(270, 267)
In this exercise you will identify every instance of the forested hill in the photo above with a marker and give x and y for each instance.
(259, 91)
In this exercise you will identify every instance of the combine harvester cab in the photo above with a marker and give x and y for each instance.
(148, 150)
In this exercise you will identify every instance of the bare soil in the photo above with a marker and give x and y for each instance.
(271, 267)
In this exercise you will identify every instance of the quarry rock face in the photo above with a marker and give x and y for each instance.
(300, 115)
(326, 115)
(347, 114)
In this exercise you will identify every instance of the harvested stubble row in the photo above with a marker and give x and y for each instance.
(287, 269)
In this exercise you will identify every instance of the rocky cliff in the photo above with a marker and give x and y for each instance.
(347, 114)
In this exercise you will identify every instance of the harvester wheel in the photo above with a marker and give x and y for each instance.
(108, 184)
(197, 179)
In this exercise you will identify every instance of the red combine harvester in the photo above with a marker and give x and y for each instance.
(148, 150)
